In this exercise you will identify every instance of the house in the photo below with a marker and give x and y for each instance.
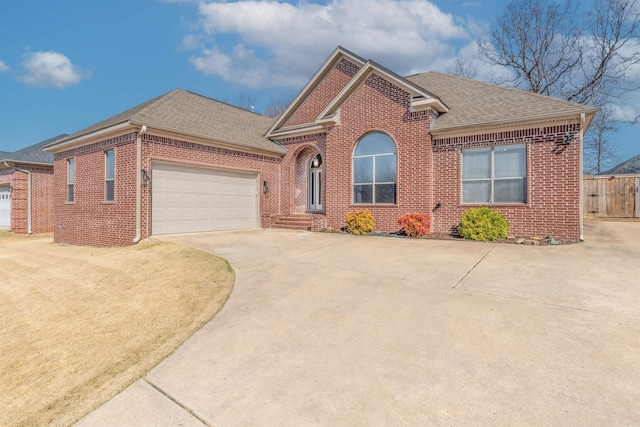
(628, 167)
(356, 136)
(26, 189)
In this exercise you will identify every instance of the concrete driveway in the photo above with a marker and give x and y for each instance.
(333, 329)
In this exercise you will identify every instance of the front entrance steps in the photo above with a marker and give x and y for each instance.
(294, 222)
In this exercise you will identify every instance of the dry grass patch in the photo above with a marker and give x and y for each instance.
(79, 324)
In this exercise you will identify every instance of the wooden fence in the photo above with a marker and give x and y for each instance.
(612, 196)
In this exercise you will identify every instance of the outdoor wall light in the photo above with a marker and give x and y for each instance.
(145, 177)
(265, 187)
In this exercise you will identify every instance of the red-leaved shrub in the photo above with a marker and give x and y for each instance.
(416, 224)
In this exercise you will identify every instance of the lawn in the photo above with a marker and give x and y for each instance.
(79, 324)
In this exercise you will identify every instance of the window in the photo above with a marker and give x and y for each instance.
(71, 177)
(109, 175)
(374, 169)
(495, 174)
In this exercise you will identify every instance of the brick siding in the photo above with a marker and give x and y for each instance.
(326, 90)
(553, 182)
(42, 185)
(89, 220)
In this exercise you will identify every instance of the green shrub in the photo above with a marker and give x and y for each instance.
(360, 222)
(416, 224)
(483, 224)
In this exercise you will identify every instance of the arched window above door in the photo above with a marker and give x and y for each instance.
(374, 169)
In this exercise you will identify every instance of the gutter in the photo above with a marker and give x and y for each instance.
(29, 209)
(581, 190)
(142, 131)
(443, 133)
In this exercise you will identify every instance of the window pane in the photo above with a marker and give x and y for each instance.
(476, 163)
(385, 168)
(363, 170)
(375, 143)
(510, 161)
(71, 171)
(476, 192)
(363, 194)
(69, 192)
(110, 163)
(509, 191)
(108, 190)
(385, 193)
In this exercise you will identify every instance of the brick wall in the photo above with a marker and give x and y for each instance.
(553, 182)
(89, 220)
(41, 198)
(324, 93)
(382, 107)
(428, 171)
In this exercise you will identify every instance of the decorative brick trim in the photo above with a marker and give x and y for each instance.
(162, 140)
(534, 135)
(98, 146)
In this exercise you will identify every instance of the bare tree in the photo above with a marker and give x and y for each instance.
(462, 68)
(599, 153)
(553, 49)
(245, 101)
(275, 108)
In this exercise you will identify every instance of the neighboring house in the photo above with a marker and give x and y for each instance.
(357, 136)
(628, 167)
(26, 186)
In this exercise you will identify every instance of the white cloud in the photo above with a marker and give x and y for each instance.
(282, 44)
(50, 69)
(4, 67)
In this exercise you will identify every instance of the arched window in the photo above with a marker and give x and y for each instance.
(374, 169)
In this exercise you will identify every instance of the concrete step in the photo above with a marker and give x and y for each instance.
(293, 222)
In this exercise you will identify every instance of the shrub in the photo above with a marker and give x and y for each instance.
(416, 224)
(483, 224)
(360, 222)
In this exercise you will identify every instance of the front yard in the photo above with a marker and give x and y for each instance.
(79, 324)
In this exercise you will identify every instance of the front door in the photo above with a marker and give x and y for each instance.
(315, 185)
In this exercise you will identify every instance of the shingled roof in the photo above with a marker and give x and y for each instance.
(188, 113)
(33, 154)
(631, 166)
(473, 103)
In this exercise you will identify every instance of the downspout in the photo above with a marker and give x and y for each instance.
(29, 231)
(581, 198)
(142, 131)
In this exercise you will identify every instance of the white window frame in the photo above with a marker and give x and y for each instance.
(373, 178)
(108, 179)
(71, 179)
(492, 179)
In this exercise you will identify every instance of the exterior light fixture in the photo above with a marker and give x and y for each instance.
(265, 187)
(145, 177)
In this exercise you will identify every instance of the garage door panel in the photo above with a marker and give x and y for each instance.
(188, 199)
(5, 207)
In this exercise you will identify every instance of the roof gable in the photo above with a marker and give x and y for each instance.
(282, 123)
(421, 99)
(187, 113)
(475, 104)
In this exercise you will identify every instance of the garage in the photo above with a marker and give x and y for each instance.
(189, 199)
(5, 207)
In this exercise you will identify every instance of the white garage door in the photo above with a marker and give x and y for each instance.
(186, 199)
(5, 207)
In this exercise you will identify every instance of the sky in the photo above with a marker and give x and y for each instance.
(66, 64)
